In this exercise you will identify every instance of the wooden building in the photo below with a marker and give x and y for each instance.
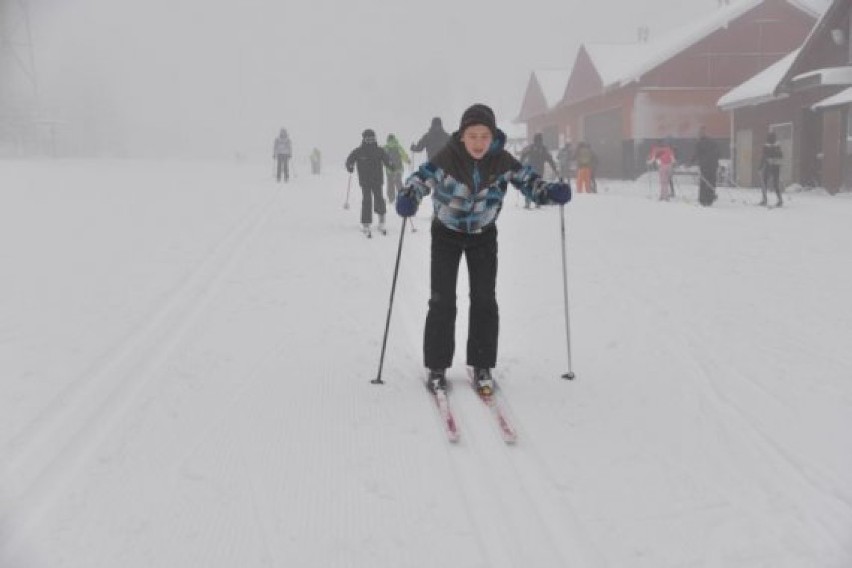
(621, 98)
(806, 99)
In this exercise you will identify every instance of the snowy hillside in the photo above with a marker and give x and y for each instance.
(186, 353)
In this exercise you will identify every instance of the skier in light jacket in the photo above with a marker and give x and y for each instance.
(282, 150)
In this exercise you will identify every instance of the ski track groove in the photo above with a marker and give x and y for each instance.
(685, 341)
(80, 418)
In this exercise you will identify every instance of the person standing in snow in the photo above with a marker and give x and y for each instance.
(770, 168)
(282, 150)
(586, 160)
(706, 154)
(369, 157)
(663, 156)
(398, 158)
(536, 155)
(316, 161)
(468, 180)
(564, 157)
(433, 141)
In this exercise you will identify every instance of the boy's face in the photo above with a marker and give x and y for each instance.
(477, 139)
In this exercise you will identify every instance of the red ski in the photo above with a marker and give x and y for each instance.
(447, 418)
(507, 431)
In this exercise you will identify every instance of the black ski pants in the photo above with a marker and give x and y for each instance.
(372, 201)
(480, 250)
(772, 180)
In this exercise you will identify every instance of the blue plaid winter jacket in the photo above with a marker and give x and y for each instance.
(468, 194)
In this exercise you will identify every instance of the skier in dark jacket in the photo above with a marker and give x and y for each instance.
(707, 156)
(468, 180)
(536, 155)
(433, 141)
(770, 168)
(369, 157)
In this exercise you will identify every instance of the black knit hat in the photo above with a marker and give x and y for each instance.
(478, 114)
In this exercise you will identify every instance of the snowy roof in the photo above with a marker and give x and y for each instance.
(760, 88)
(619, 64)
(829, 75)
(841, 98)
(552, 83)
(828, 11)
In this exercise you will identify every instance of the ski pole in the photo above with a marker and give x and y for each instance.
(348, 187)
(378, 380)
(570, 374)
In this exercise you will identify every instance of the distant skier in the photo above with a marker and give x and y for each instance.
(316, 161)
(433, 141)
(398, 157)
(536, 155)
(282, 150)
(369, 157)
(564, 158)
(706, 155)
(468, 181)
(586, 162)
(770, 168)
(663, 156)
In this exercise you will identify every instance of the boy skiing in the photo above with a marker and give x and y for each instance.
(468, 179)
(369, 158)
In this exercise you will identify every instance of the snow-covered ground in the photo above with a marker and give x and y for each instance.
(186, 352)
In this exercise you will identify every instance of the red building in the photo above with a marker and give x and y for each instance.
(620, 98)
(806, 99)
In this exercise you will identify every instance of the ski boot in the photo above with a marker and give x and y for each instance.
(437, 380)
(365, 228)
(483, 382)
(381, 227)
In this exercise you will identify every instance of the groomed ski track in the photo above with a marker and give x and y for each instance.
(228, 418)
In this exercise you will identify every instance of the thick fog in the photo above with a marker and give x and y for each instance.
(202, 78)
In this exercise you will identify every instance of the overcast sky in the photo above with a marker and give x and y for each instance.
(212, 78)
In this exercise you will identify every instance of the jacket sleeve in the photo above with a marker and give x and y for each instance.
(552, 163)
(528, 182)
(350, 161)
(422, 181)
(420, 145)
